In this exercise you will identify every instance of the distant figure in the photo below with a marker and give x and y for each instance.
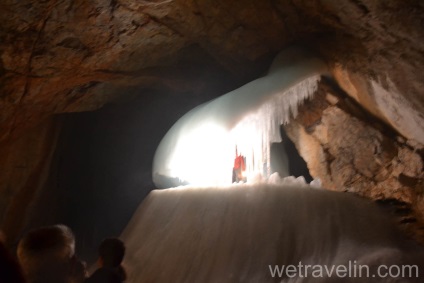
(47, 255)
(239, 168)
(111, 254)
(10, 271)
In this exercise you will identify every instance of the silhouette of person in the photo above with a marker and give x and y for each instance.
(111, 254)
(47, 255)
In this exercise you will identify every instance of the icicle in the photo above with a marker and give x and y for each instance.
(255, 133)
(199, 148)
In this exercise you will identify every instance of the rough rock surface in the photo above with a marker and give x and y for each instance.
(66, 56)
(59, 56)
(349, 150)
(26, 164)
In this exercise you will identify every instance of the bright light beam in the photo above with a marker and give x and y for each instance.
(199, 149)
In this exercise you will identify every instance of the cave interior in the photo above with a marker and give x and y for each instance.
(89, 88)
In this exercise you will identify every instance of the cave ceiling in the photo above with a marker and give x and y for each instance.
(362, 133)
(69, 56)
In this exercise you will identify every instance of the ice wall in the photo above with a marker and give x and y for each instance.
(232, 234)
(200, 148)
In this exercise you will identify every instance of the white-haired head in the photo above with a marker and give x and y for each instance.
(46, 253)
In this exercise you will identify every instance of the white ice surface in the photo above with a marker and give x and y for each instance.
(232, 234)
(200, 148)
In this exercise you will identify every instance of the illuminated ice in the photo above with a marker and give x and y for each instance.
(233, 233)
(200, 148)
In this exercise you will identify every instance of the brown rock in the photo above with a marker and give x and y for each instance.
(70, 56)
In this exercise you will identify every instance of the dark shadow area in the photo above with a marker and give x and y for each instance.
(101, 169)
(102, 166)
(295, 163)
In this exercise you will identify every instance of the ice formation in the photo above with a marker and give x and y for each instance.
(232, 234)
(200, 148)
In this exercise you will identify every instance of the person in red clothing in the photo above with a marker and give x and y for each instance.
(239, 168)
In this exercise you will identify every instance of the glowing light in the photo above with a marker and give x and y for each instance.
(202, 156)
(200, 148)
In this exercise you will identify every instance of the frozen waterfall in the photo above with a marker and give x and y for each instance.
(200, 148)
(234, 234)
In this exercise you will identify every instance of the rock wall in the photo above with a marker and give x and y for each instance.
(25, 168)
(351, 150)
